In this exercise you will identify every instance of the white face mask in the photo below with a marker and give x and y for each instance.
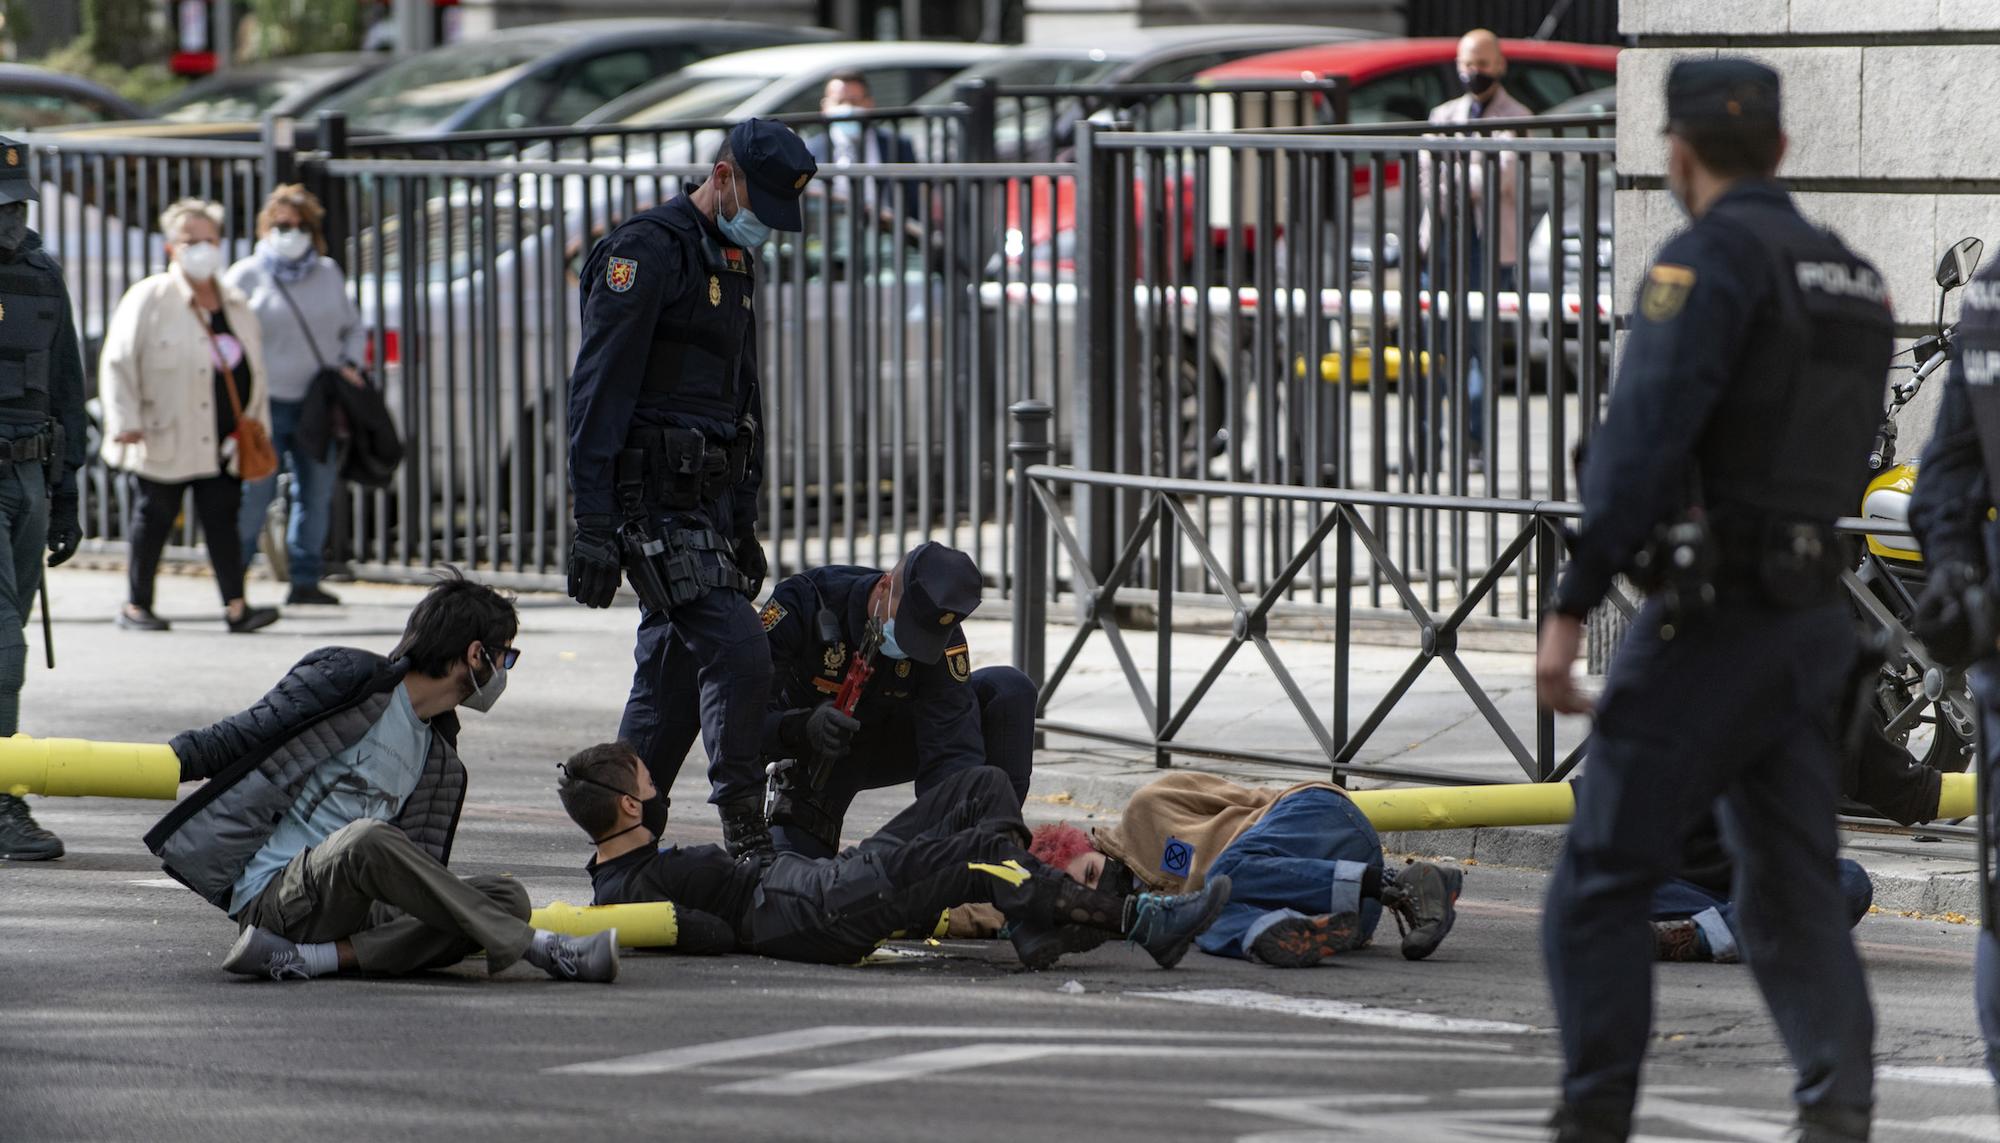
(290, 243)
(199, 260)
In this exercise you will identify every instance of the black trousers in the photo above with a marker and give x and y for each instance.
(154, 506)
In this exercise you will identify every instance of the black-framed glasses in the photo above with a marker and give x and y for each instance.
(508, 657)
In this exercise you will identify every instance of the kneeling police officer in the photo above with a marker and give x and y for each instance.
(666, 457)
(1737, 434)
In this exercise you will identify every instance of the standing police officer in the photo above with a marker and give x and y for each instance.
(41, 448)
(924, 713)
(1956, 617)
(666, 456)
(1751, 385)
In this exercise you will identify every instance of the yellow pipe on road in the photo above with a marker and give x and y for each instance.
(1467, 807)
(72, 767)
(651, 925)
(1958, 797)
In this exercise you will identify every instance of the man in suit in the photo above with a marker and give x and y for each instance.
(851, 141)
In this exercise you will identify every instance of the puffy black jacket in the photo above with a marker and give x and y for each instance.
(256, 762)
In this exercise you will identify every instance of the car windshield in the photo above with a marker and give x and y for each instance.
(33, 110)
(695, 97)
(1094, 67)
(237, 99)
(420, 93)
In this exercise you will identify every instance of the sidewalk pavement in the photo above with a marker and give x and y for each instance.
(575, 670)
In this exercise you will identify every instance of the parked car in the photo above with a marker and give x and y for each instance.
(293, 86)
(36, 99)
(541, 75)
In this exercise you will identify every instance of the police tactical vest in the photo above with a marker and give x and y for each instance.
(1789, 438)
(31, 301)
(698, 340)
(1979, 363)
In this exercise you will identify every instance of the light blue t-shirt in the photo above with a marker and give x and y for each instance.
(369, 779)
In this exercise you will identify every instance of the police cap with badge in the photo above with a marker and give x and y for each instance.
(776, 168)
(15, 186)
(941, 586)
(1722, 93)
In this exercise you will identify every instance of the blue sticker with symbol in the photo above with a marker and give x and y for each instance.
(1177, 858)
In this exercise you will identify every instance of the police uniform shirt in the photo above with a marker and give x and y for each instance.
(1707, 306)
(932, 700)
(699, 877)
(1948, 508)
(36, 327)
(648, 280)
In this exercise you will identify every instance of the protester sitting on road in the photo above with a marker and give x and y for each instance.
(1305, 868)
(183, 361)
(312, 330)
(1694, 915)
(331, 805)
(961, 841)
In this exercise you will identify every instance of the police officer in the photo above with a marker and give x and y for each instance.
(924, 714)
(666, 456)
(1956, 617)
(41, 449)
(1737, 434)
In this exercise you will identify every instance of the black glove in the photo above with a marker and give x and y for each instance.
(594, 566)
(65, 533)
(751, 563)
(1953, 619)
(829, 733)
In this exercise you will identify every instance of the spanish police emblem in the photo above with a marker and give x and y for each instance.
(1666, 291)
(620, 273)
(714, 290)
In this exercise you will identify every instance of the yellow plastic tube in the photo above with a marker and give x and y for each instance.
(651, 925)
(1466, 807)
(72, 767)
(1959, 796)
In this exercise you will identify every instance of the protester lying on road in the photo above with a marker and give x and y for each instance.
(1694, 917)
(1304, 865)
(331, 804)
(963, 840)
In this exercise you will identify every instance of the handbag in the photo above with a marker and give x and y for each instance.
(256, 457)
(356, 418)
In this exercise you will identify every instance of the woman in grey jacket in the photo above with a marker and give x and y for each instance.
(310, 325)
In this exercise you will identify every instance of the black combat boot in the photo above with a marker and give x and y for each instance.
(745, 832)
(20, 838)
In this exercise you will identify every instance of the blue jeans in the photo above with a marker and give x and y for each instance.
(313, 480)
(1475, 342)
(1716, 914)
(1303, 858)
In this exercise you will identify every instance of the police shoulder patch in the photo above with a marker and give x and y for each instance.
(620, 273)
(958, 660)
(1666, 291)
(773, 613)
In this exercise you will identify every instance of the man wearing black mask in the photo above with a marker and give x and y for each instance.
(41, 449)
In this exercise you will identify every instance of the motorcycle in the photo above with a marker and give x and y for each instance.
(1920, 706)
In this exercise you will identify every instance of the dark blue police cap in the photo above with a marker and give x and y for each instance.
(14, 184)
(940, 587)
(776, 166)
(1725, 92)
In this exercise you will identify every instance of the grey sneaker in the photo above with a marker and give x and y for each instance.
(261, 952)
(1165, 926)
(1424, 898)
(591, 960)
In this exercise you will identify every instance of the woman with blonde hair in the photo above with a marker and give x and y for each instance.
(310, 328)
(182, 368)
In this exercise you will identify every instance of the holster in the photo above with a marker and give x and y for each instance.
(52, 463)
(683, 469)
(1678, 565)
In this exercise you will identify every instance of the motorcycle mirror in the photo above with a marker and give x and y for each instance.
(1956, 268)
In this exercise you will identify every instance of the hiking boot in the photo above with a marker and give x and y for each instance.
(1040, 946)
(1423, 897)
(20, 838)
(1677, 940)
(1165, 926)
(261, 952)
(590, 960)
(1301, 942)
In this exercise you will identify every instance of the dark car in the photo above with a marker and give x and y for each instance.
(542, 75)
(292, 85)
(36, 99)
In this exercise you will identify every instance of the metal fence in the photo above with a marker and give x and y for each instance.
(1038, 122)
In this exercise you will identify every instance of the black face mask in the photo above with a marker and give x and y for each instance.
(652, 811)
(1476, 83)
(13, 226)
(653, 814)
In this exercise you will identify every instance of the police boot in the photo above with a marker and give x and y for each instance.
(1833, 1125)
(1041, 945)
(20, 838)
(1574, 1125)
(745, 831)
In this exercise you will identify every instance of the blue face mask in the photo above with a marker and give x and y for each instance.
(840, 124)
(889, 647)
(745, 229)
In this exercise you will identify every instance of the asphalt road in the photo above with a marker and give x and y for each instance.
(117, 1024)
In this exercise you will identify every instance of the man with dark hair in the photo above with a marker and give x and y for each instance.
(850, 141)
(1749, 389)
(962, 841)
(330, 807)
(666, 457)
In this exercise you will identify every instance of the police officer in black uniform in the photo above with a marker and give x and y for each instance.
(924, 714)
(1751, 386)
(666, 457)
(1956, 617)
(41, 449)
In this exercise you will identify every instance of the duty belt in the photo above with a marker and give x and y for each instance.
(684, 468)
(21, 450)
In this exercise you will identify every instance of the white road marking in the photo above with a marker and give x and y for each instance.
(1936, 1076)
(1957, 1126)
(1321, 1008)
(158, 883)
(725, 1051)
(1399, 1120)
(890, 1069)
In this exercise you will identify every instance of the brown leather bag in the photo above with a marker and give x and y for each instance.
(256, 456)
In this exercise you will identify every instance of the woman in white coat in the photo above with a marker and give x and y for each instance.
(176, 344)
